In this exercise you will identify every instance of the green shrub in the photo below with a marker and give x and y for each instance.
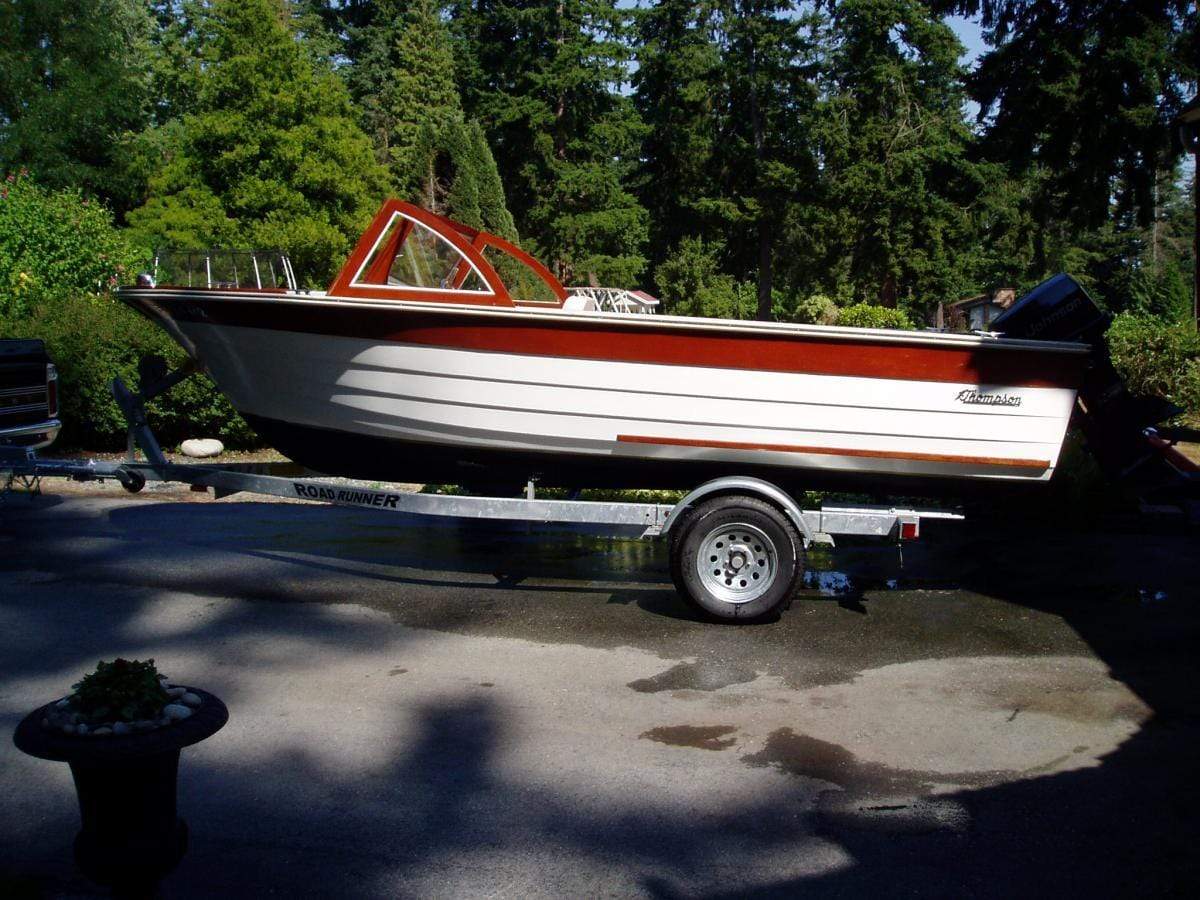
(868, 315)
(690, 283)
(1158, 357)
(815, 309)
(54, 241)
(60, 259)
(94, 339)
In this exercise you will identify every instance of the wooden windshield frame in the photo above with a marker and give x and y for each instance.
(353, 281)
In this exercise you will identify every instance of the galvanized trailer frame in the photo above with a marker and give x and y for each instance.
(651, 519)
(758, 532)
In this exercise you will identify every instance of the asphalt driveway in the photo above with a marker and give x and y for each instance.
(458, 709)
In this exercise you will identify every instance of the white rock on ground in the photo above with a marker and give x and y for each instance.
(199, 448)
(176, 711)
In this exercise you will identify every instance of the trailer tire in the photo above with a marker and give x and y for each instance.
(737, 559)
(131, 480)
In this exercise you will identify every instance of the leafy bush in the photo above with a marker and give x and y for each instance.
(691, 283)
(1158, 357)
(120, 691)
(60, 259)
(815, 309)
(868, 315)
(94, 339)
(55, 241)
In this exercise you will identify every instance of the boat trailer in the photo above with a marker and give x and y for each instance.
(737, 543)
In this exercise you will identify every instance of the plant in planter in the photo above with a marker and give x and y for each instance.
(121, 731)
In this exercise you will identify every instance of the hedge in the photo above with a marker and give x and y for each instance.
(868, 315)
(1158, 358)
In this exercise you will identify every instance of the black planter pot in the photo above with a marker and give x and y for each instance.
(131, 835)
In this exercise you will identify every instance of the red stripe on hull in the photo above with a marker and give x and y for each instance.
(640, 340)
(841, 451)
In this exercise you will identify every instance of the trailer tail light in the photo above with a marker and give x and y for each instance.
(909, 529)
(51, 390)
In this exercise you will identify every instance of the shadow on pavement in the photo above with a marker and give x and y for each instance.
(443, 813)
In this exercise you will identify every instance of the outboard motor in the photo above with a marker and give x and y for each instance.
(1119, 427)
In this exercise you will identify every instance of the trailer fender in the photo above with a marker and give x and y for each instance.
(742, 484)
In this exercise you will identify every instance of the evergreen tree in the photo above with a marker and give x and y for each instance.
(272, 155)
(676, 94)
(73, 82)
(724, 88)
(900, 190)
(1081, 96)
(452, 172)
(402, 78)
(766, 159)
(544, 80)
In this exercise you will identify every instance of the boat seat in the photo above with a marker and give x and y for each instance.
(579, 303)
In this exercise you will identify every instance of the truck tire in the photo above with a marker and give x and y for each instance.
(737, 559)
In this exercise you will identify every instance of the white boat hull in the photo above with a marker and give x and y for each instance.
(598, 412)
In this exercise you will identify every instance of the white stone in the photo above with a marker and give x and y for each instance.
(62, 704)
(81, 728)
(191, 699)
(121, 728)
(176, 711)
(199, 448)
(45, 723)
(143, 725)
(103, 730)
(175, 692)
(68, 729)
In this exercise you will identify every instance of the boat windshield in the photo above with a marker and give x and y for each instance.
(255, 270)
(523, 283)
(412, 253)
(409, 253)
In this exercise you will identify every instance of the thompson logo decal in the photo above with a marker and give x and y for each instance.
(348, 496)
(976, 398)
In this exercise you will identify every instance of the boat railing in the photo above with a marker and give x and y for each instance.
(616, 299)
(224, 269)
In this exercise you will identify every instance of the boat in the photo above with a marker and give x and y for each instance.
(445, 354)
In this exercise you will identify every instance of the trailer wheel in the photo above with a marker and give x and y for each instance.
(131, 480)
(737, 559)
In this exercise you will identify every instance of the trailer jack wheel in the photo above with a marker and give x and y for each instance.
(737, 559)
(133, 481)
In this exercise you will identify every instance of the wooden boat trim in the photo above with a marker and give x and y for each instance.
(838, 451)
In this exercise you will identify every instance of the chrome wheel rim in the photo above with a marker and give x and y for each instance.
(737, 562)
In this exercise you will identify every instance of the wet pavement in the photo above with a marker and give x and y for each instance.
(447, 709)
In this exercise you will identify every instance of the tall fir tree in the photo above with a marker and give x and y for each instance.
(765, 155)
(899, 187)
(1079, 97)
(402, 77)
(74, 84)
(676, 93)
(545, 81)
(725, 90)
(272, 155)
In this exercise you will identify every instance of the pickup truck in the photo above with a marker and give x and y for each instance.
(28, 395)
